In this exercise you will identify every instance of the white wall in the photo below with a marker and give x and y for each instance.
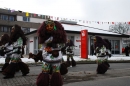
(77, 42)
(19, 18)
(36, 20)
(31, 44)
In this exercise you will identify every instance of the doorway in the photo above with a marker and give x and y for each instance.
(115, 45)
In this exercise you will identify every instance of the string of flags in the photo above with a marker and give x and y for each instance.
(27, 14)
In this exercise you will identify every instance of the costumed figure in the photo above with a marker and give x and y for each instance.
(53, 37)
(36, 57)
(100, 50)
(108, 52)
(5, 49)
(127, 48)
(19, 41)
(1, 50)
(69, 52)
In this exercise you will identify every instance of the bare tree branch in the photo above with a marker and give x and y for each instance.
(121, 28)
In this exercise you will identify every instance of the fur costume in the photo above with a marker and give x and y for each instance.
(19, 40)
(108, 52)
(1, 50)
(5, 48)
(69, 52)
(36, 57)
(101, 53)
(53, 37)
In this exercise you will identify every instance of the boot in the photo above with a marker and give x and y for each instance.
(73, 62)
(4, 66)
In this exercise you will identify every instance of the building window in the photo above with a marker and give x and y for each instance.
(4, 17)
(27, 19)
(1, 29)
(26, 30)
(11, 18)
(7, 17)
(5, 29)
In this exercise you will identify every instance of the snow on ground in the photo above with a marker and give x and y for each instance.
(77, 58)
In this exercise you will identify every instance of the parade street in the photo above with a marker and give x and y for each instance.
(81, 75)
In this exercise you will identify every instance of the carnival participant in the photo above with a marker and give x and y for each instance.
(69, 52)
(19, 41)
(100, 49)
(53, 37)
(1, 51)
(6, 48)
(108, 51)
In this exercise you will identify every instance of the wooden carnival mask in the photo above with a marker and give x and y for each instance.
(94, 40)
(50, 25)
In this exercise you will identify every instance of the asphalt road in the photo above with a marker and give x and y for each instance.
(117, 81)
(117, 75)
(83, 67)
(92, 67)
(83, 75)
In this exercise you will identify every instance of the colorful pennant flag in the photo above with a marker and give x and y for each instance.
(58, 18)
(112, 22)
(12, 11)
(35, 15)
(27, 14)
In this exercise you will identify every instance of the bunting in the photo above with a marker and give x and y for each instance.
(35, 15)
(58, 18)
(27, 14)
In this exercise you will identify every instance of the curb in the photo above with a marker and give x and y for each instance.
(83, 62)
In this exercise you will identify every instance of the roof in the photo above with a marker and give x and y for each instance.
(91, 31)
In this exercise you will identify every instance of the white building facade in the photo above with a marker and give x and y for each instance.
(73, 33)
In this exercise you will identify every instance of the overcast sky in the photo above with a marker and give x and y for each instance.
(89, 10)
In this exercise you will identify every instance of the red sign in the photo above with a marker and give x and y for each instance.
(84, 44)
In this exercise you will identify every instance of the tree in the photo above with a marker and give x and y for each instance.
(121, 28)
